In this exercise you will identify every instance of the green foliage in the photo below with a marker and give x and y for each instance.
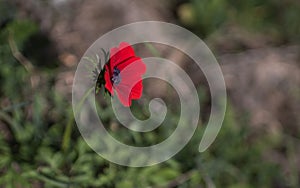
(18, 31)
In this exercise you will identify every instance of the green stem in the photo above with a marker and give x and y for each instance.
(68, 131)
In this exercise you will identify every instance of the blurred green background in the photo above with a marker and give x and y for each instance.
(40, 145)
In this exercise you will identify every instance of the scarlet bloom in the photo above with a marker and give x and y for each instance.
(123, 73)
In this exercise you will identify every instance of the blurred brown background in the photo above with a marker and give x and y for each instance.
(262, 75)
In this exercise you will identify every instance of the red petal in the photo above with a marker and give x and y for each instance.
(118, 55)
(137, 90)
(124, 95)
(127, 62)
(108, 84)
(132, 68)
(131, 86)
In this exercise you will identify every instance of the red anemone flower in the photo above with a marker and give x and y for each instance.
(123, 73)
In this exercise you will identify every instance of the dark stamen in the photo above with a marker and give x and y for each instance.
(116, 78)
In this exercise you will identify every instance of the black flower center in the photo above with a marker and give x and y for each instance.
(116, 77)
